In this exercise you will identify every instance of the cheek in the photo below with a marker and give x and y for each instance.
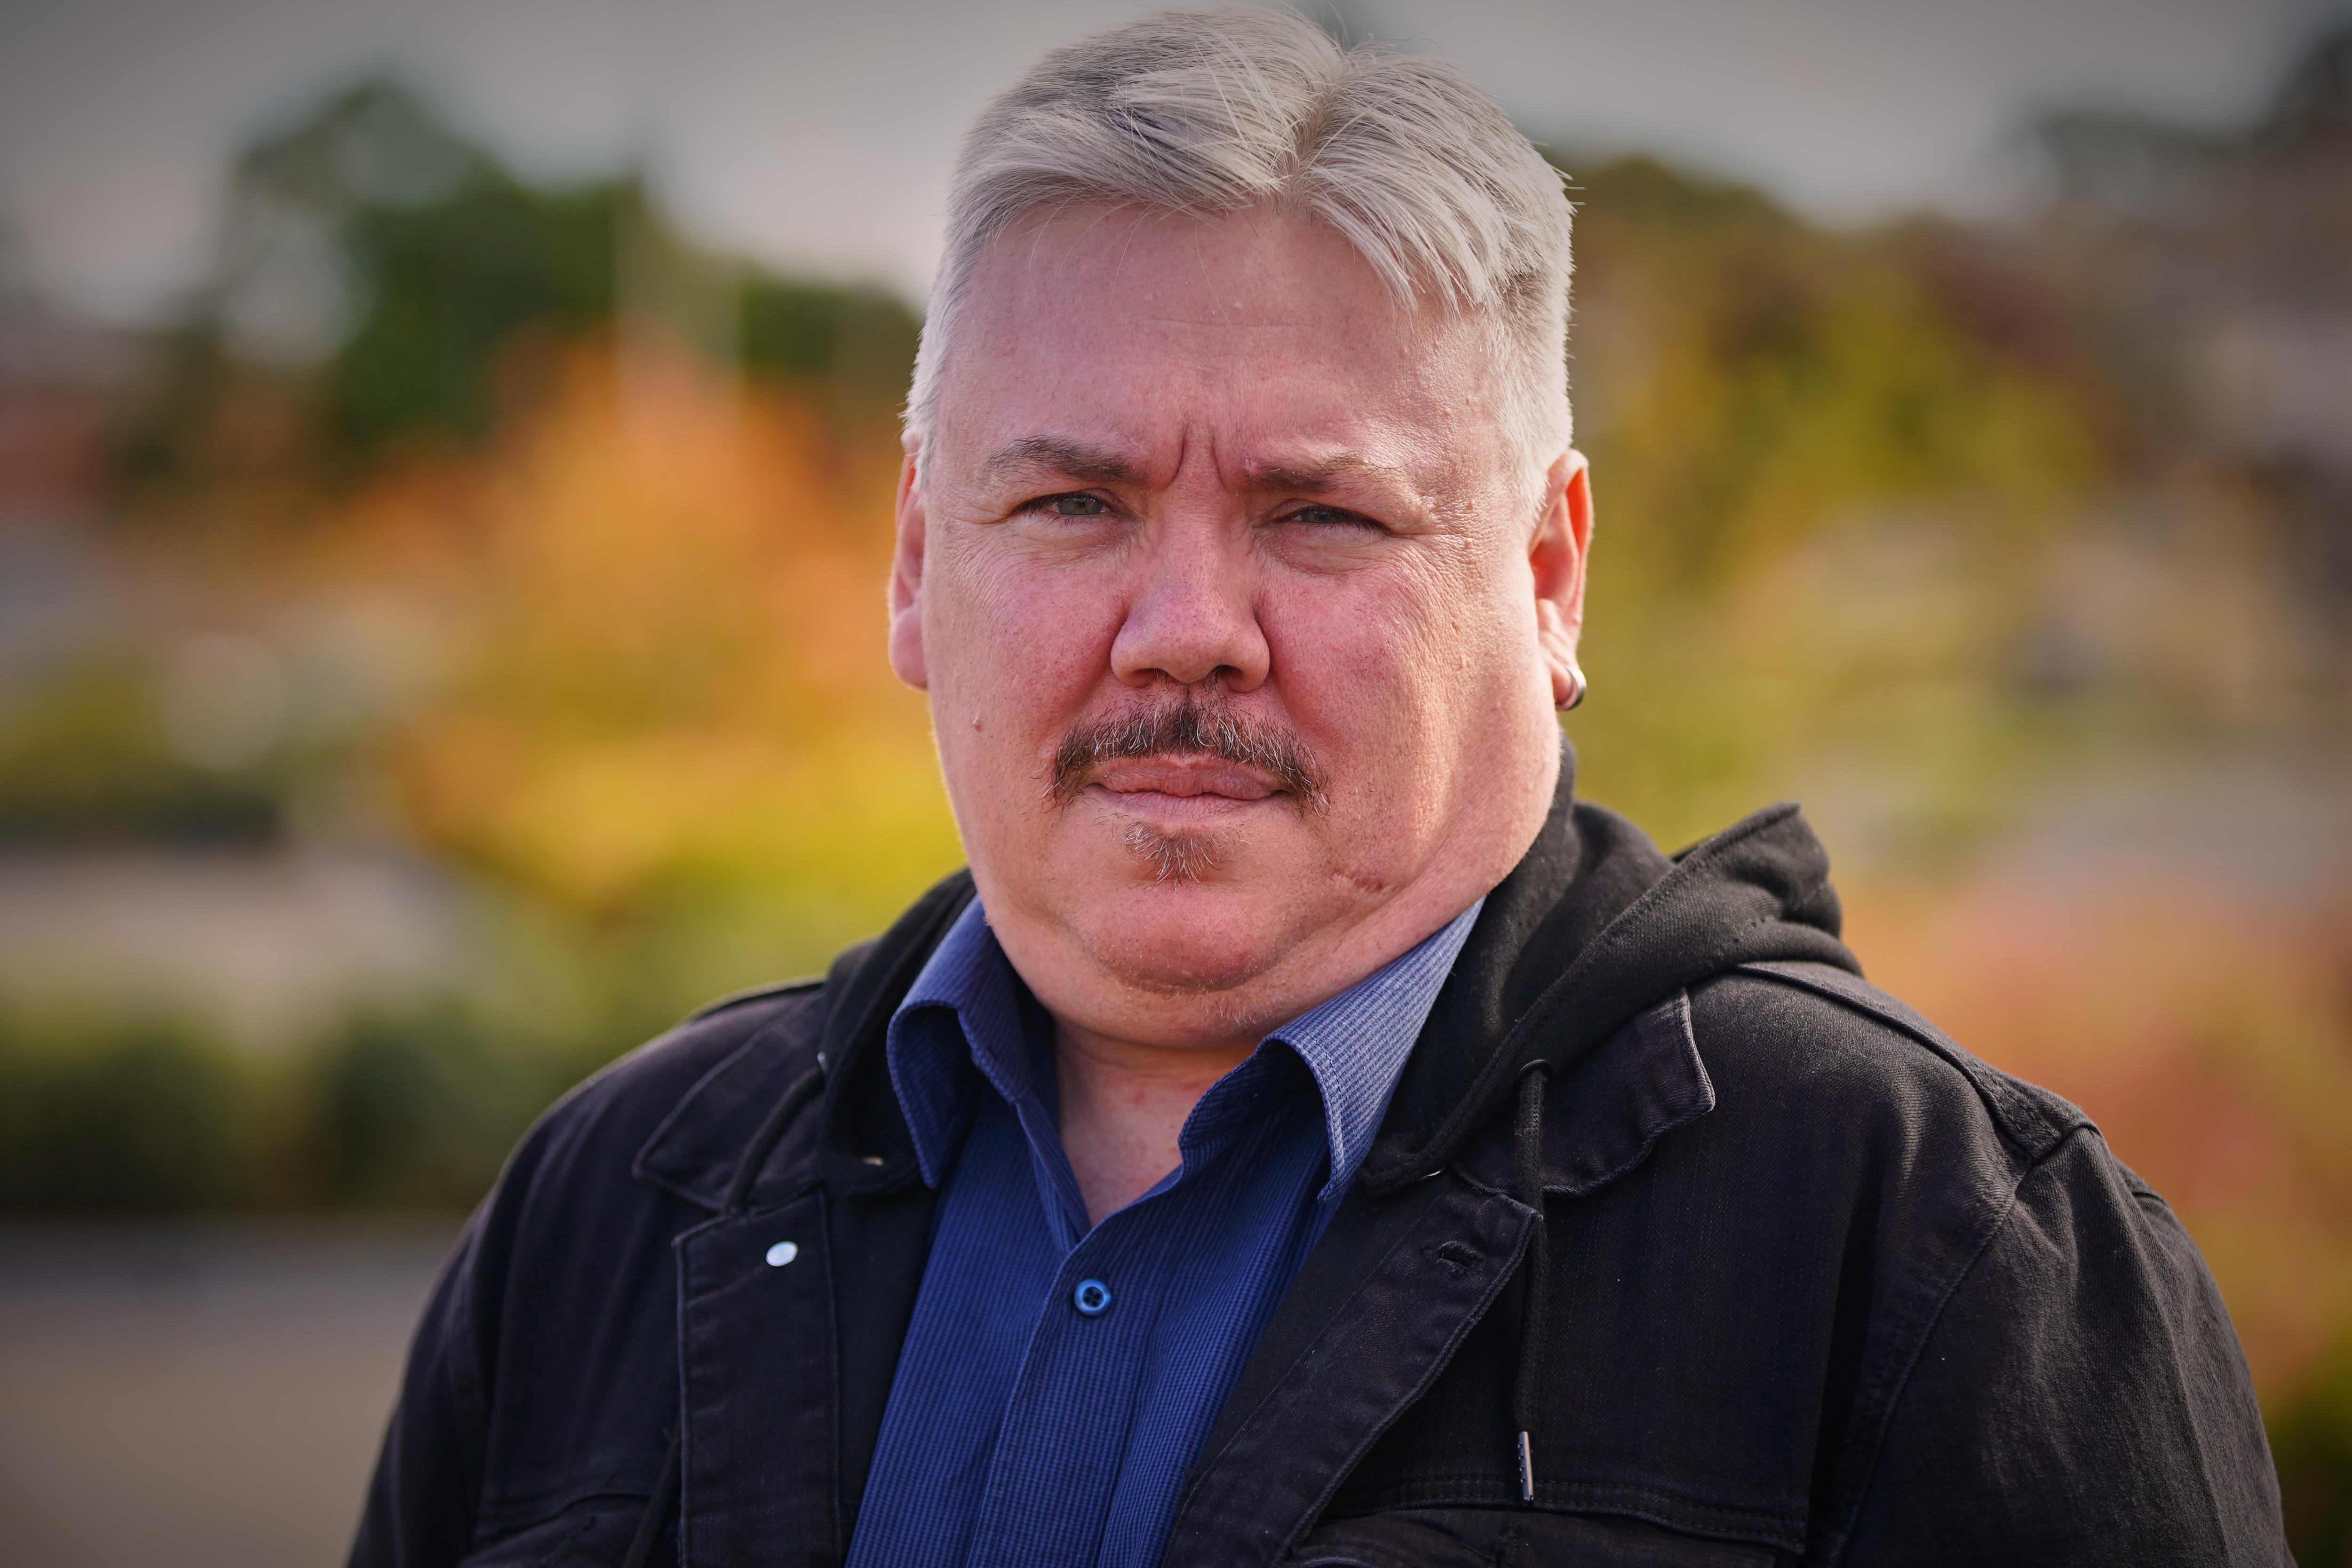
(1017, 646)
(1405, 646)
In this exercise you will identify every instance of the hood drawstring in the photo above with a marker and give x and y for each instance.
(1535, 1270)
(657, 1508)
(739, 1192)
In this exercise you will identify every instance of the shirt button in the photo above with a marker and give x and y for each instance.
(784, 1252)
(1092, 1297)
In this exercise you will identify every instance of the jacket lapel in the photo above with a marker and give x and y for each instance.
(1375, 1316)
(878, 1248)
(1399, 1280)
(756, 1332)
(790, 1315)
(785, 1360)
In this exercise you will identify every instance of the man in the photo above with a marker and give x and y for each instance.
(1306, 1134)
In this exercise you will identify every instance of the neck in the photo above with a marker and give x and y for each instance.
(1123, 1105)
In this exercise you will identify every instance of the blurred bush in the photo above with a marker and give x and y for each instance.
(86, 758)
(124, 1116)
(1818, 485)
(2311, 1438)
(407, 1109)
(416, 1109)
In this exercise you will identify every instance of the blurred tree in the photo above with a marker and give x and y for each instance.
(1818, 484)
(377, 269)
(671, 681)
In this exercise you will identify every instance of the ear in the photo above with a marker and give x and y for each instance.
(1556, 558)
(906, 579)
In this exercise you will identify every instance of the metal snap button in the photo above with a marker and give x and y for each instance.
(784, 1252)
(1092, 1297)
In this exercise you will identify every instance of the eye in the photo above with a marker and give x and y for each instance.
(1328, 516)
(1075, 506)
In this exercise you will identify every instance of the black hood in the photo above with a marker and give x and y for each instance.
(1591, 927)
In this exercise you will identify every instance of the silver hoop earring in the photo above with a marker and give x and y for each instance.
(1577, 687)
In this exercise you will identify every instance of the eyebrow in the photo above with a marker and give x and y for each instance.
(1099, 466)
(1072, 459)
(1316, 477)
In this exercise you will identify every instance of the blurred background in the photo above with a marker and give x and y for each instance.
(445, 468)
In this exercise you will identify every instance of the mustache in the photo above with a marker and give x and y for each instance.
(1190, 727)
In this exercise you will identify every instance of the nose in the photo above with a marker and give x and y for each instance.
(1193, 618)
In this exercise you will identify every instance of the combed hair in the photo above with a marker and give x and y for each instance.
(1205, 113)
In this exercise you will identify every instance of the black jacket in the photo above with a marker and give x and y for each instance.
(1811, 1284)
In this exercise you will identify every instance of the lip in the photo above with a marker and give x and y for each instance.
(1174, 813)
(1204, 781)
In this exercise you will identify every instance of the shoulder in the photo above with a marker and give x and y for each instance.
(1810, 1044)
(577, 1216)
(700, 1089)
(1842, 1117)
(2078, 1394)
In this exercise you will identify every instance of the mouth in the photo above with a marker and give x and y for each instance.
(1191, 765)
(1187, 790)
(1180, 795)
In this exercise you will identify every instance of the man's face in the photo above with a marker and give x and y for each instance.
(1240, 626)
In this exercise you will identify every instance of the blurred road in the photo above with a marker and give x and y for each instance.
(202, 1397)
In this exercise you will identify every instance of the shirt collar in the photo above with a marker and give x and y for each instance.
(964, 1014)
(1356, 1044)
(961, 1015)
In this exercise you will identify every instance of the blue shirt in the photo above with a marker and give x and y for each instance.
(1056, 1380)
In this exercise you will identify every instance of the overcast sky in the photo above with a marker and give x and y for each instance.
(817, 137)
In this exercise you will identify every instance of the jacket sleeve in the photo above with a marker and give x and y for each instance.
(2081, 1399)
(421, 1504)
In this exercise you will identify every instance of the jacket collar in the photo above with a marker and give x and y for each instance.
(863, 1147)
(695, 1150)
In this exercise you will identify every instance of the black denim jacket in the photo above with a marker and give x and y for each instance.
(1810, 1284)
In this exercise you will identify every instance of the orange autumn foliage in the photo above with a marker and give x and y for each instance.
(2210, 1035)
(666, 666)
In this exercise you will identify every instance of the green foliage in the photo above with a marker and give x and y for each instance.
(394, 268)
(416, 1109)
(1792, 430)
(136, 1116)
(2311, 1439)
(448, 285)
(854, 347)
(1765, 379)
(410, 1108)
(85, 757)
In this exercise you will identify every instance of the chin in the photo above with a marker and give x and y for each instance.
(1180, 858)
(1183, 935)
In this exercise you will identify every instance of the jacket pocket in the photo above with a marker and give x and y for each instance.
(1513, 1538)
(592, 1534)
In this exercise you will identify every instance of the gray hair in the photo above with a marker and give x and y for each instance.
(1214, 112)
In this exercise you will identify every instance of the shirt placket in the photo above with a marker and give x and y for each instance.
(1063, 1439)
(1065, 1428)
